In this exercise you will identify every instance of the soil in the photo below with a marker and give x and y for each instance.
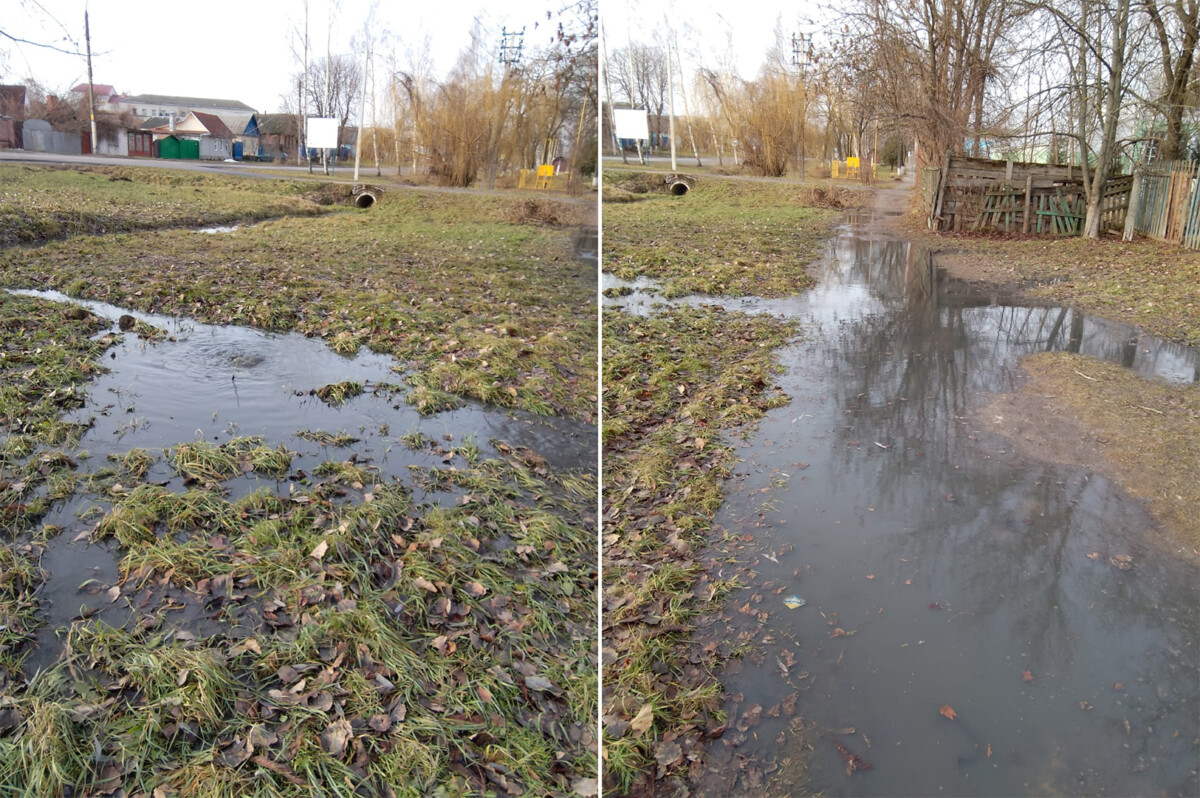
(1042, 428)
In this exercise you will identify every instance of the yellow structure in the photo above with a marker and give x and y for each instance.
(852, 168)
(545, 176)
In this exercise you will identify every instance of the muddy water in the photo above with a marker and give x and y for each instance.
(940, 567)
(215, 383)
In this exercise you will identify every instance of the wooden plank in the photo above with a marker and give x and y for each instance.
(1028, 196)
(937, 212)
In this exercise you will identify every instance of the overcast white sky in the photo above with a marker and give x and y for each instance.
(235, 51)
(711, 32)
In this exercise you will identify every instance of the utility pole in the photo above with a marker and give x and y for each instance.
(510, 59)
(362, 106)
(671, 108)
(687, 112)
(87, 35)
(801, 44)
(510, 54)
(374, 124)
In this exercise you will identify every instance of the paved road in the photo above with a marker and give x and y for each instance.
(241, 169)
(264, 171)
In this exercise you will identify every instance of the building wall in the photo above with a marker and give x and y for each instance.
(147, 110)
(139, 144)
(215, 149)
(116, 144)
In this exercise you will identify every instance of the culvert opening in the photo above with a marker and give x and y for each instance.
(679, 189)
(364, 200)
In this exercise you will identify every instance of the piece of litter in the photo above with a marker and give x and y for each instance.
(794, 602)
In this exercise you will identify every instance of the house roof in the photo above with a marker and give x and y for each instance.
(237, 123)
(277, 124)
(197, 102)
(155, 122)
(216, 128)
(101, 89)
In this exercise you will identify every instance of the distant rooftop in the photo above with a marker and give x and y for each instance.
(101, 89)
(199, 102)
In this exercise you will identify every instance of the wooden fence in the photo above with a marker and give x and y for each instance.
(1166, 203)
(1013, 197)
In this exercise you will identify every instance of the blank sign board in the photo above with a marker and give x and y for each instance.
(632, 123)
(321, 133)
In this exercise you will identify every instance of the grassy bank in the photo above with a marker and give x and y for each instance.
(726, 236)
(479, 295)
(675, 386)
(1147, 432)
(40, 203)
(47, 355)
(329, 631)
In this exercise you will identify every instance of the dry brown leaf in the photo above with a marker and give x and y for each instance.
(586, 788)
(336, 736)
(948, 712)
(642, 721)
(319, 552)
(667, 754)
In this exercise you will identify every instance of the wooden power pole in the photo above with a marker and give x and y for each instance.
(87, 36)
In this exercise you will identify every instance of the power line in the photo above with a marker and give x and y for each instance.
(510, 52)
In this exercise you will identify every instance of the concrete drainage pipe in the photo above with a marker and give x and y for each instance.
(366, 196)
(679, 185)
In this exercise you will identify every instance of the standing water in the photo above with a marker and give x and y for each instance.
(214, 383)
(976, 622)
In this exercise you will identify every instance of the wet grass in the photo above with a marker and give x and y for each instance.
(210, 464)
(471, 303)
(676, 386)
(361, 644)
(1150, 432)
(41, 203)
(322, 632)
(727, 236)
(337, 393)
(46, 357)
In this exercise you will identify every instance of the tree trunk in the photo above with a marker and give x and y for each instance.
(1112, 113)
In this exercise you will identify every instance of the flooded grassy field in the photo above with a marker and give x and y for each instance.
(246, 561)
(924, 607)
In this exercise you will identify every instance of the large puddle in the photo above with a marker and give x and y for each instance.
(944, 573)
(216, 383)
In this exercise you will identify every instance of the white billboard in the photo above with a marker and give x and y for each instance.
(632, 123)
(321, 133)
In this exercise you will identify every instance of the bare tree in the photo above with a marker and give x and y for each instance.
(1176, 28)
(640, 73)
(933, 63)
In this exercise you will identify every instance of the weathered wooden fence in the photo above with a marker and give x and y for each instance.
(1014, 197)
(1166, 203)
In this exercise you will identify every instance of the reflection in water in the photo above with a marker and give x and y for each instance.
(961, 573)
